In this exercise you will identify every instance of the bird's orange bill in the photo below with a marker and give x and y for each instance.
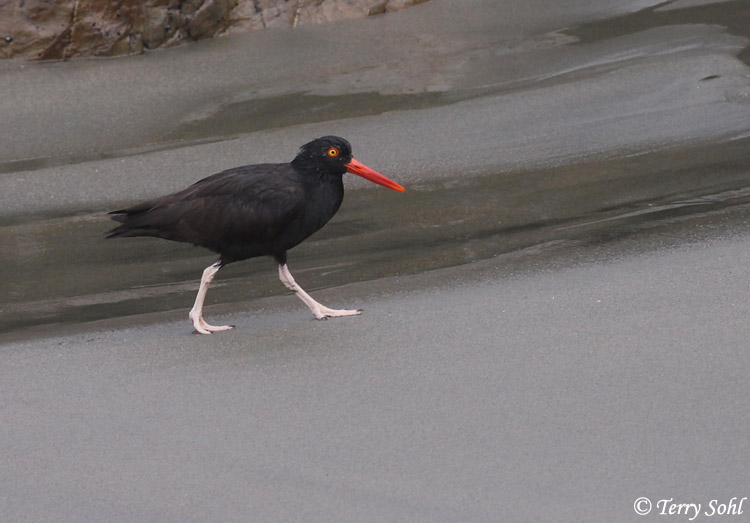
(360, 169)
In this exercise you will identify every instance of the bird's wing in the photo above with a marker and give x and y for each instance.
(247, 204)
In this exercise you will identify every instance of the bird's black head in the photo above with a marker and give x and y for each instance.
(326, 154)
(332, 155)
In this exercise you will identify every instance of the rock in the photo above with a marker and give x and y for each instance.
(210, 18)
(62, 29)
(156, 27)
(102, 28)
(36, 31)
(332, 10)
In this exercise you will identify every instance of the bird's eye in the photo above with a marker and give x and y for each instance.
(333, 152)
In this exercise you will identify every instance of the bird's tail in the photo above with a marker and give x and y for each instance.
(133, 223)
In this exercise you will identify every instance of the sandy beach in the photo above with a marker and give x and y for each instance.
(556, 310)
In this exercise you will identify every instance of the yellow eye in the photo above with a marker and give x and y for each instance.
(333, 152)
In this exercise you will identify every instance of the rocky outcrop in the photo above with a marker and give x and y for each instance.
(61, 29)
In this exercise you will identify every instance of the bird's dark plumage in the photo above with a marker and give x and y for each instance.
(251, 211)
(248, 211)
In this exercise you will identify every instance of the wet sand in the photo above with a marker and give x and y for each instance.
(555, 311)
(564, 394)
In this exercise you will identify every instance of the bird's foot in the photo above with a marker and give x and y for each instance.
(200, 325)
(323, 313)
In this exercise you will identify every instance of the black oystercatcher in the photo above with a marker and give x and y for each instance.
(254, 210)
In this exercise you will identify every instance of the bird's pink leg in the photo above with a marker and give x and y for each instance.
(196, 313)
(320, 311)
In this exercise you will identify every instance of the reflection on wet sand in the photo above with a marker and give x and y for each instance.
(64, 271)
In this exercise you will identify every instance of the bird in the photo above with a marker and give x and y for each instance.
(251, 211)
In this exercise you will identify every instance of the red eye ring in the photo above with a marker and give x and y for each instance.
(333, 152)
